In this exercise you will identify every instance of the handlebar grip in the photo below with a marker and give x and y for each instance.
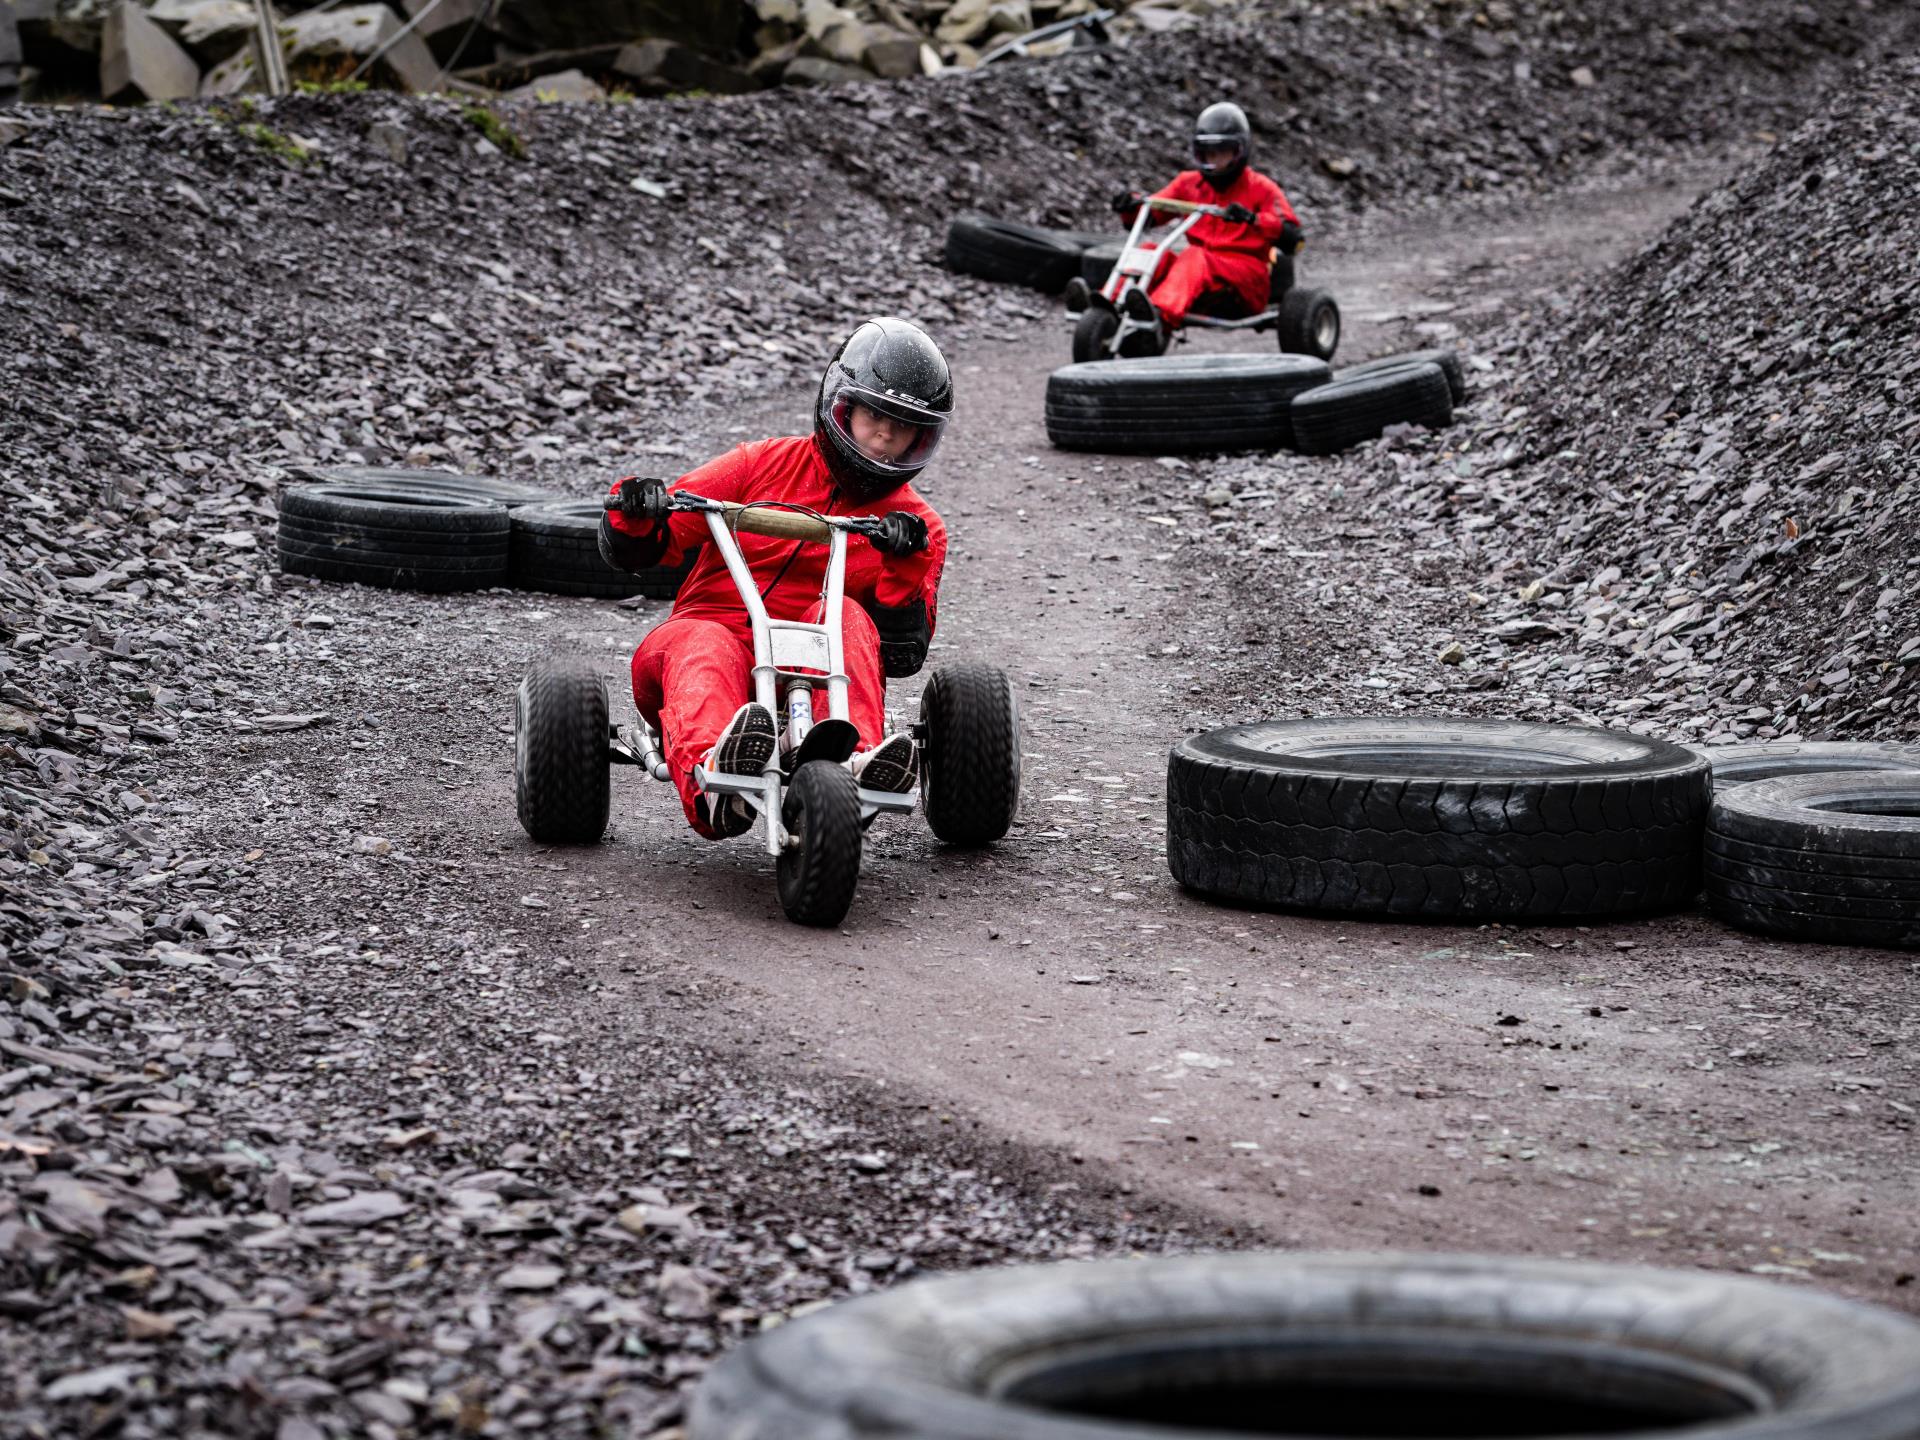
(1185, 207)
(780, 524)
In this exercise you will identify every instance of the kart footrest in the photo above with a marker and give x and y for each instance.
(875, 803)
(715, 782)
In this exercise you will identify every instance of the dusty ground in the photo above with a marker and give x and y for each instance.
(1667, 1091)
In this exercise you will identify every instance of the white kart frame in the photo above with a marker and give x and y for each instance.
(1134, 270)
(792, 659)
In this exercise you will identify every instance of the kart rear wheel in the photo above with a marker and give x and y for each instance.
(1309, 323)
(561, 774)
(1093, 333)
(820, 868)
(970, 764)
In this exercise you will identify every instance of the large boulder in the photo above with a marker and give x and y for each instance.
(454, 30)
(970, 21)
(535, 25)
(770, 65)
(666, 67)
(894, 54)
(210, 30)
(812, 70)
(564, 85)
(834, 32)
(9, 56)
(140, 61)
(352, 33)
(329, 45)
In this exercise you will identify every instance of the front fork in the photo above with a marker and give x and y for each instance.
(799, 716)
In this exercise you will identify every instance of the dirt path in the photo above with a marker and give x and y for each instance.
(1666, 1091)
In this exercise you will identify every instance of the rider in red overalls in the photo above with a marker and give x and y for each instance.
(883, 405)
(1227, 261)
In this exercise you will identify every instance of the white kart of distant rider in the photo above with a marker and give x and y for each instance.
(1308, 320)
(815, 813)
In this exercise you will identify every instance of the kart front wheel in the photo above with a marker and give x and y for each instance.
(970, 767)
(820, 867)
(561, 778)
(1093, 333)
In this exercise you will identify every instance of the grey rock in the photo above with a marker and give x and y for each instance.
(811, 70)
(140, 61)
(371, 1207)
(664, 66)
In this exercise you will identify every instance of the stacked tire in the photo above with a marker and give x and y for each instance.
(556, 548)
(1179, 404)
(1097, 260)
(437, 531)
(393, 536)
(1017, 254)
(1778, 759)
(1456, 819)
(1359, 404)
(510, 493)
(1832, 856)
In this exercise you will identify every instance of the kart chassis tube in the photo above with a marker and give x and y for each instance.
(1131, 265)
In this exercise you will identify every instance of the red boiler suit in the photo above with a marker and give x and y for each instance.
(1222, 259)
(694, 669)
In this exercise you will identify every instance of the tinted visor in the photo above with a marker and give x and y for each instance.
(1217, 152)
(890, 432)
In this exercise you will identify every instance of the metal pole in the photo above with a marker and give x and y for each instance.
(273, 63)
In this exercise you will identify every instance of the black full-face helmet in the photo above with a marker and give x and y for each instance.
(889, 368)
(1222, 144)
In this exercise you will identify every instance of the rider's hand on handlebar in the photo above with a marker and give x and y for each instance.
(1126, 200)
(1239, 215)
(900, 533)
(643, 499)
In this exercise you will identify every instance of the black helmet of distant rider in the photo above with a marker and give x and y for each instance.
(891, 368)
(1222, 144)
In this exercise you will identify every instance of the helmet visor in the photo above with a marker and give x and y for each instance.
(891, 432)
(1217, 152)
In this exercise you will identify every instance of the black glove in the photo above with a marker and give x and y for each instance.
(1292, 237)
(1126, 200)
(900, 533)
(1240, 215)
(644, 499)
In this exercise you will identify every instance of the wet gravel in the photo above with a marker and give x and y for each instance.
(1680, 498)
(284, 1151)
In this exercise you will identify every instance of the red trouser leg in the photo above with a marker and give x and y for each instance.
(689, 676)
(1196, 273)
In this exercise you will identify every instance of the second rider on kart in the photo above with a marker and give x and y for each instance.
(1226, 262)
(884, 402)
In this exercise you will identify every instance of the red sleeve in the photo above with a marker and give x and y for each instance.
(1183, 186)
(1273, 212)
(905, 579)
(720, 478)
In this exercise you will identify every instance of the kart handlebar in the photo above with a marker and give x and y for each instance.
(1187, 207)
(766, 520)
(775, 521)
